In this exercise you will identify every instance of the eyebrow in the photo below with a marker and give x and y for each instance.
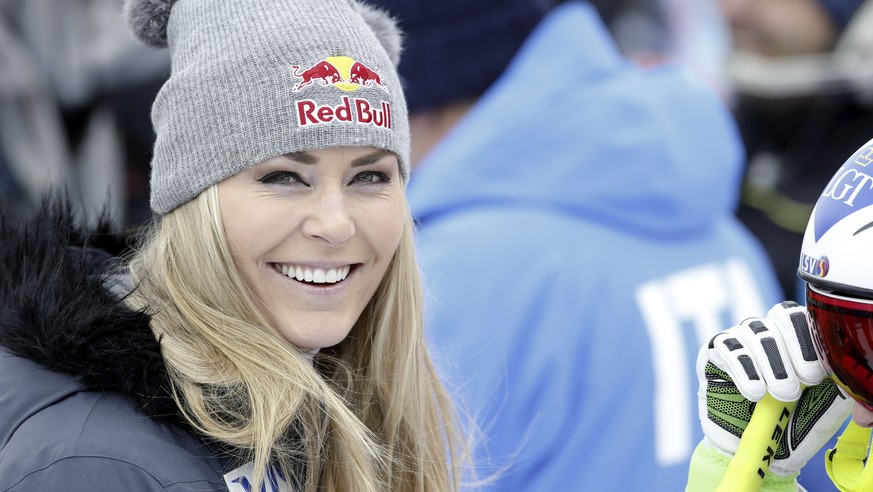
(370, 158)
(306, 158)
(302, 157)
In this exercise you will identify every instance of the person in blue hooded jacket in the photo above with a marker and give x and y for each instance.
(577, 235)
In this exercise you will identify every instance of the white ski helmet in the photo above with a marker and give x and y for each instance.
(836, 261)
(837, 251)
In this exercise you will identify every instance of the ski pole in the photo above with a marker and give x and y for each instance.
(757, 447)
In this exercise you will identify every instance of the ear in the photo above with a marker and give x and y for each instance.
(148, 20)
(385, 27)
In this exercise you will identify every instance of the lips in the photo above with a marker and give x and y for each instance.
(313, 275)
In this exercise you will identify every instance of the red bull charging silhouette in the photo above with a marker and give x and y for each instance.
(323, 70)
(364, 75)
(342, 72)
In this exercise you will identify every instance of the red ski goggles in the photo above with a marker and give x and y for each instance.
(842, 330)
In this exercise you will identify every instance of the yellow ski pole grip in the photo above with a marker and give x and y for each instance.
(757, 447)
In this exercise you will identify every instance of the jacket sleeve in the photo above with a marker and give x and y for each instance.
(96, 474)
(708, 467)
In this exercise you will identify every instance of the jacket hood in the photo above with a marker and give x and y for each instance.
(56, 311)
(574, 127)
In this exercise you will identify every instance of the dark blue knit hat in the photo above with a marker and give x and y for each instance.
(841, 11)
(455, 49)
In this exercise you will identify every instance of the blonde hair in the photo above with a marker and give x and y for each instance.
(369, 414)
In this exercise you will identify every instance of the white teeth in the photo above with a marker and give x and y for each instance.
(316, 275)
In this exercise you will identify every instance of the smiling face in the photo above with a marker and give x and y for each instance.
(313, 234)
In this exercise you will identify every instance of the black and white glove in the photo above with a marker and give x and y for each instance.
(769, 355)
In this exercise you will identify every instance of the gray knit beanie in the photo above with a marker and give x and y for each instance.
(253, 79)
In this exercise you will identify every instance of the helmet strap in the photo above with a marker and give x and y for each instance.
(845, 463)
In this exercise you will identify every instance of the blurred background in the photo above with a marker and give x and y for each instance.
(75, 94)
(797, 75)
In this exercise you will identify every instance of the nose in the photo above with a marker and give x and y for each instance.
(329, 219)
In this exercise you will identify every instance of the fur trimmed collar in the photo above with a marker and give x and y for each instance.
(55, 310)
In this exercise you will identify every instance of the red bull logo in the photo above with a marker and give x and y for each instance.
(347, 75)
(343, 72)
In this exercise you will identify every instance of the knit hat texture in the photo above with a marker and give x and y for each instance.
(841, 11)
(254, 79)
(455, 49)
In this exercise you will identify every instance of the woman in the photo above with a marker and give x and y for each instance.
(269, 322)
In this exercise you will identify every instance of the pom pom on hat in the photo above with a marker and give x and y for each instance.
(148, 20)
(385, 28)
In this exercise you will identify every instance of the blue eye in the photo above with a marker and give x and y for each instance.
(282, 178)
(372, 177)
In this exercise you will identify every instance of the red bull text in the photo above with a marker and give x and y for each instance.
(350, 110)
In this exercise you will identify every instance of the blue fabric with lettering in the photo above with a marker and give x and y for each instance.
(577, 235)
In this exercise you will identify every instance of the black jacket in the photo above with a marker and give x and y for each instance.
(84, 400)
